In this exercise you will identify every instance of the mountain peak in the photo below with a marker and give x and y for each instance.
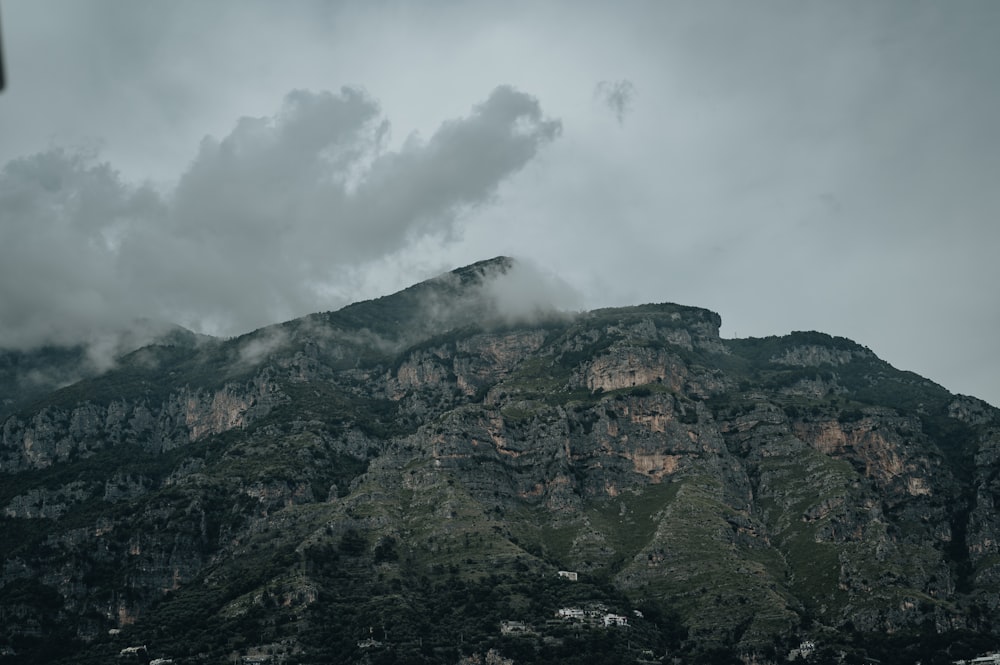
(470, 295)
(486, 269)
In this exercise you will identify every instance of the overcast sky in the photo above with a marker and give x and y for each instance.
(792, 165)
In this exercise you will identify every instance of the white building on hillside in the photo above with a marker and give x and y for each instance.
(615, 620)
(986, 659)
(570, 613)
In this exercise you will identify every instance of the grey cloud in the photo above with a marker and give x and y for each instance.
(526, 292)
(508, 292)
(459, 167)
(63, 216)
(260, 224)
(617, 95)
(260, 346)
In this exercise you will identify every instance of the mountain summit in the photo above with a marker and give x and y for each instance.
(457, 298)
(446, 475)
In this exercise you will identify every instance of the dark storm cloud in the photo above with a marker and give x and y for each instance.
(617, 95)
(259, 226)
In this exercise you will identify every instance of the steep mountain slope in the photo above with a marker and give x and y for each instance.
(390, 482)
(30, 375)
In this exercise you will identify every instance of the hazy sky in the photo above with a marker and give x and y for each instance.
(792, 165)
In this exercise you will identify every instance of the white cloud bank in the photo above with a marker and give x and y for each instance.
(259, 228)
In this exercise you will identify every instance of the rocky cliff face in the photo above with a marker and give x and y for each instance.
(54, 434)
(762, 491)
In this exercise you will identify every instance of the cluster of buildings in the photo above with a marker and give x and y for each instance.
(140, 654)
(992, 658)
(805, 650)
(594, 615)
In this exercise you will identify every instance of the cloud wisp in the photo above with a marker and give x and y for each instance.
(528, 293)
(617, 96)
(258, 227)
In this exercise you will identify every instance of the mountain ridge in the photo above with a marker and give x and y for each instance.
(424, 463)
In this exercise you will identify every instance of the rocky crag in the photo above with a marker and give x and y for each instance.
(366, 485)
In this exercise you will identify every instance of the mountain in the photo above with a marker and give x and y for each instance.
(29, 375)
(404, 479)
